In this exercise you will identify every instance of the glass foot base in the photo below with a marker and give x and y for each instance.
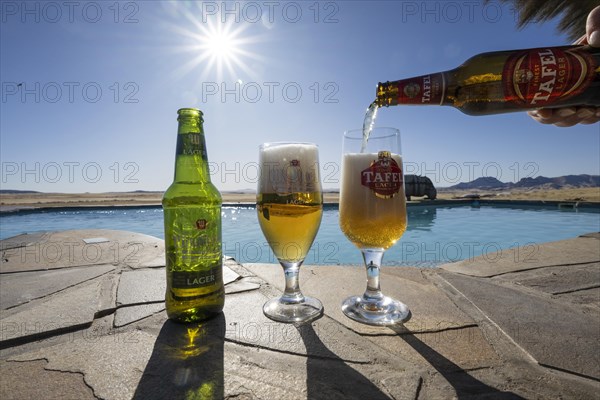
(285, 311)
(383, 312)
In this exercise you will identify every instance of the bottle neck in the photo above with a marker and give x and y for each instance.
(420, 90)
(191, 161)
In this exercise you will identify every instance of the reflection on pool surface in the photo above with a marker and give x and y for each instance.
(435, 234)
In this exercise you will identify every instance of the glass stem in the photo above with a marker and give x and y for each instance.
(292, 293)
(372, 259)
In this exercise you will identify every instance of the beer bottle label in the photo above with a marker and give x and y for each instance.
(193, 246)
(196, 279)
(191, 144)
(540, 77)
(425, 90)
(384, 176)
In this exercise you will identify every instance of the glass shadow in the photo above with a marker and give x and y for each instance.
(330, 377)
(465, 385)
(186, 362)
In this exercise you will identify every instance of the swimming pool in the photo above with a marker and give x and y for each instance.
(435, 235)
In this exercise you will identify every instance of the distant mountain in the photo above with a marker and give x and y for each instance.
(12, 191)
(486, 182)
(561, 181)
(491, 183)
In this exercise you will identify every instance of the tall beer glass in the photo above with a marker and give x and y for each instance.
(289, 202)
(373, 216)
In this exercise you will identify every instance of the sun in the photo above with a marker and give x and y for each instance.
(221, 45)
(219, 50)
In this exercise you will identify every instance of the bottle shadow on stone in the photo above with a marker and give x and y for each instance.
(186, 362)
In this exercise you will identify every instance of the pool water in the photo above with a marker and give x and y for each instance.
(435, 234)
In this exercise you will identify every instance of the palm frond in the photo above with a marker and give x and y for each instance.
(572, 13)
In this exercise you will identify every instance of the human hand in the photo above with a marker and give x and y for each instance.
(569, 116)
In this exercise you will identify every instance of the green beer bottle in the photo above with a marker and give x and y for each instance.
(192, 216)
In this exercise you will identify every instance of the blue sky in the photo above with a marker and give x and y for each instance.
(100, 84)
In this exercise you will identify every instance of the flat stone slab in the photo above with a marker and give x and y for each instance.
(127, 315)
(66, 249)
(142, 286)
(25, 239)
(242, 285)
(69, 309)
(581, 250)
(30, 380)
(450, 350)
(556, 334)
(246, 324)
(587, 298)
(559, 279)
(431, 309)
(16, 289)
(112, 365)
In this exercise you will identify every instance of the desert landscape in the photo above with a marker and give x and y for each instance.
(11, 201)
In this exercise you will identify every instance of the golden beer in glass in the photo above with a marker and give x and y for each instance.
(373, 216)
(289, 204)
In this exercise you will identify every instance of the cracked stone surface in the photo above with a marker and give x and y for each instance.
(127, 315)
(111, 364)
(233, 369)
(248, 325)
(22, 240)
(559, 279)
(75, 307)
(23, 287)
(539, 325)
(451, 349)
(82, 329)
(65, 249)
(581, 250)
(31, 380)
(142, 286)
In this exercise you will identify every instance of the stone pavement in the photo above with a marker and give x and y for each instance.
(82, 316)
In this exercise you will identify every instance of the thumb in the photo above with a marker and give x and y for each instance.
(592, 27)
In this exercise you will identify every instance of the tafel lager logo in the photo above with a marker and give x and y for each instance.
(543, 76)
(384, 176)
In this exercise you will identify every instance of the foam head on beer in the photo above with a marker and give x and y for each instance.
(289, 168)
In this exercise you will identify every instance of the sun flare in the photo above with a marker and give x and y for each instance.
(220, 50)
(221, 45)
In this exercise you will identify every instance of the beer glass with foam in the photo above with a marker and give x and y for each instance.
(289, 203)
(373, 216)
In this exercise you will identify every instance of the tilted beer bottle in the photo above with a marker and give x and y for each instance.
(192, 217)
(505, 81)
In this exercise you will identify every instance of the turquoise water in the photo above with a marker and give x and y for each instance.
(435, 235)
